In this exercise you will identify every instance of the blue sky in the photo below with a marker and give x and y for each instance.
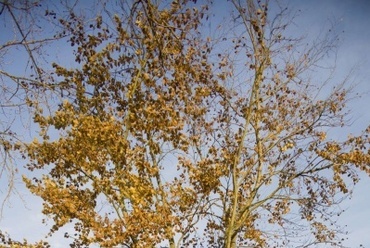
(353, 21)
(22, 217)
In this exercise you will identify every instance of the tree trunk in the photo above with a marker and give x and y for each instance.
(230, 240)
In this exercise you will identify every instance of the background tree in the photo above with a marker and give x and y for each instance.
(159, 131)
(28, 30)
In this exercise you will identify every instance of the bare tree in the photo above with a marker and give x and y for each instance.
(28, 30)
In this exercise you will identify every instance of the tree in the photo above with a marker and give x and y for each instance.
(123, 112)
(160, 131)
(23, 72)
(272, 150)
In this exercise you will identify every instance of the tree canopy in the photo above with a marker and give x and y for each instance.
(161, 134)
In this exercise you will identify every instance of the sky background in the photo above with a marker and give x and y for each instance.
(22, 217)
(353, 24)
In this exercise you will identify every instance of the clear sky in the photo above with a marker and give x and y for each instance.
(22, 219)
(354, 52)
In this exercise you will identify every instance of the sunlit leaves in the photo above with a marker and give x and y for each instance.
(158, 129)
(140, 84)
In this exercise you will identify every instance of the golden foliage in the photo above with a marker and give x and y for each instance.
(152, 136)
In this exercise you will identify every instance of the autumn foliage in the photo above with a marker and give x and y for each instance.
(162, 135)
